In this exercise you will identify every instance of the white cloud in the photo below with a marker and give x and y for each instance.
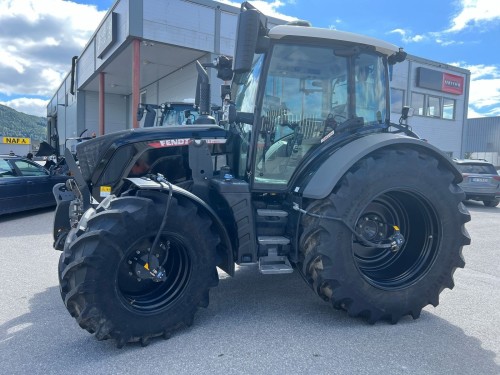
(475, 12)
(9, 60)
(269, 8)
(472, 13)
(471, 113)
(35, 107)
(407, 37)
(38, 39)
(484, 93)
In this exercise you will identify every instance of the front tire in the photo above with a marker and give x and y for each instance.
(491, 203)
(99, 278)
(405, 188)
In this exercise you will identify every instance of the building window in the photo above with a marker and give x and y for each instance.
(448, 109)
(142, 98)
(397, 100)
(433, 106)
(417, 102)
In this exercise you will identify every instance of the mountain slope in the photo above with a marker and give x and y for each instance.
(17, 124)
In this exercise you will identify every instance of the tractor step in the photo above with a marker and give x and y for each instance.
(273, 240)
(270, 212)
(274, 264)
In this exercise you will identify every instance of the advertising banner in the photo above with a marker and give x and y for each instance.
(439, 81)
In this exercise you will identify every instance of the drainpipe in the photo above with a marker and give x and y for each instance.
(465, 122)
(136, 79)
(101, 103)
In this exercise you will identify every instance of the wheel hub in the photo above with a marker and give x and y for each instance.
(372, 228)
(146, 265)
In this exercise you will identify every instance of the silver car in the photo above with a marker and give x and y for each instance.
(481, 181)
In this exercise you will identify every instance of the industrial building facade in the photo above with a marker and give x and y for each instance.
(482, 140)
(146, 51)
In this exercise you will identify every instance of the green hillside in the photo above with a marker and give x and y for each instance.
(17, 124)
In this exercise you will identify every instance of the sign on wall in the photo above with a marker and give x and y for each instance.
(16, 141)
(439, 81)
(452, 84)
(106, 35)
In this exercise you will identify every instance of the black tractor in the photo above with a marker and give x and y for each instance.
(307, 175)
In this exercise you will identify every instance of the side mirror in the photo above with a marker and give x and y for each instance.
(246, 41)
(251, 37)
(398, 57)
(234, 116)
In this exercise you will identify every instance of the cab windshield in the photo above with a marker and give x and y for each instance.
(311, 93)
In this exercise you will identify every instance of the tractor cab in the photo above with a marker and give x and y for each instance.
(297, 90)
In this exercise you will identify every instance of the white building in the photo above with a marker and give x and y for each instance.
(145, 52)
(439, 96)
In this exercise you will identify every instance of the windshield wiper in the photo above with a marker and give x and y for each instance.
(353, 123)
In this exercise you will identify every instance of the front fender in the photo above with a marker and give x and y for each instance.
(61, 224)
(228, 259)
(324, 179)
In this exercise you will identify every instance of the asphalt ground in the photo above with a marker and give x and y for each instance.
(255, 324)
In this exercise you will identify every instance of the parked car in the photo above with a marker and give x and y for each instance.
(25, 184)
(481, 181)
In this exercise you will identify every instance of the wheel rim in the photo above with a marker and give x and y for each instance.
(147, 296)
(419, 224)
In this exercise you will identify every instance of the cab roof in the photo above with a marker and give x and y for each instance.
(281, 31)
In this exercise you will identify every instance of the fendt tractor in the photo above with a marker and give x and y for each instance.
(307, 175)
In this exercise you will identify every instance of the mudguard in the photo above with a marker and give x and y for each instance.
(61, 225)
(324, 179)
(228, 261)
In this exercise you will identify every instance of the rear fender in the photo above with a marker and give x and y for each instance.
(227, 262)
(326, 177)
(61, 225)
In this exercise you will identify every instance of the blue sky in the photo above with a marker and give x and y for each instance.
(40, 36)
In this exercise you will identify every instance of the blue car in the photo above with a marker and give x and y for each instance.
(25, 185)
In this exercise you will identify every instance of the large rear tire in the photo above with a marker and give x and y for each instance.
(402, 187)
(98, 274)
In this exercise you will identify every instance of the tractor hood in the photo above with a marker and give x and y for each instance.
(94, 154)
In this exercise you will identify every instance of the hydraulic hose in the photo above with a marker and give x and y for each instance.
(394, 242)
